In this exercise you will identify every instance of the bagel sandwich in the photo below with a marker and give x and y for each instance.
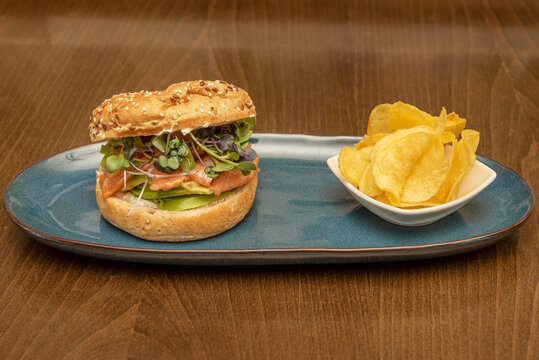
(177, 164)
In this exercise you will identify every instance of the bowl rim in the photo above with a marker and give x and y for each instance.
(332, 163)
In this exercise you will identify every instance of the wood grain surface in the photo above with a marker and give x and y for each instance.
(313, 67)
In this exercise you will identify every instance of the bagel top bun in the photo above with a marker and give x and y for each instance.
(183, 106)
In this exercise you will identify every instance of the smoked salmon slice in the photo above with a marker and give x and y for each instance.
(166, 183)
(111, 183)
(200, 176)
(170, 182)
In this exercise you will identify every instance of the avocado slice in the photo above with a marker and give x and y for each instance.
(180, 203)
(186, 188)
(134, 181)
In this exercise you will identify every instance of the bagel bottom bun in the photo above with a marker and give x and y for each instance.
(151, 223)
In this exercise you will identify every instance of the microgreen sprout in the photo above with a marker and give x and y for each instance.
(139, 197)
(176, 155)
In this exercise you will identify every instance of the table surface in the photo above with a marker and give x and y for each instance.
(311, 67)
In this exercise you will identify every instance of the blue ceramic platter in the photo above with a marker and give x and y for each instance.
(301, 214)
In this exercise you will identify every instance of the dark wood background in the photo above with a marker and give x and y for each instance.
(313, 67)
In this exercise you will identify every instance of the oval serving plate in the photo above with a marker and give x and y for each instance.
(301, 214)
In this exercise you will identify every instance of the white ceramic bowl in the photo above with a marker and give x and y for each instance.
(477, 179)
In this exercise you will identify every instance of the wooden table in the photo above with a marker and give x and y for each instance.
(312, 67)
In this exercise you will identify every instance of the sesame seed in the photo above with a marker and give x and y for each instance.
(143, 108)
(178, 111)
(117, 116)
(174, 116)
(127, 108)
(162, 115)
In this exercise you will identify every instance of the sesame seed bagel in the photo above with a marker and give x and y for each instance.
(150, 223)
(187, 105)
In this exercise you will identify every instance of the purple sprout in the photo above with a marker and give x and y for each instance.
(249, 155)
(226, 142)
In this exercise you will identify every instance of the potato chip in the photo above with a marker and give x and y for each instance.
(352, 163)
(427, 175)
(394, 156)
(418, 205)
(465, 158)
(447, 137)
(385, 143)
(369, 140)
(455, 124)
(461, 162)
(367, 184)
(382, 198)
(440, 121)
(405, 116)
(441, 126)
(379, 120)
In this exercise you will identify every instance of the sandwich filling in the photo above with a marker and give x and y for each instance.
(181, 170)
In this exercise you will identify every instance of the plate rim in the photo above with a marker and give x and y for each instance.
(400, 248)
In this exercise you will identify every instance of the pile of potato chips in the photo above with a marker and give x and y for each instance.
(405, 159)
